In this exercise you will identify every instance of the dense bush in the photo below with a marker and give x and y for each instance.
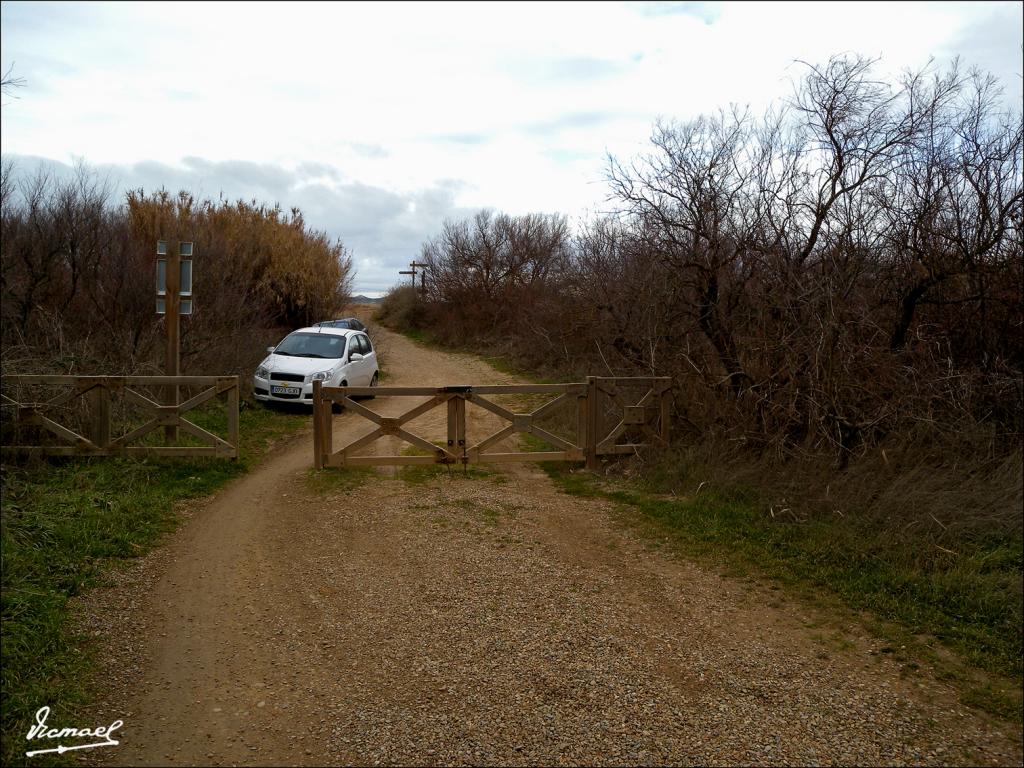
(404, 307)
(835, 282)
(77, 274)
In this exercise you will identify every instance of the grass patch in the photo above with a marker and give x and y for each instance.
(338, 479)
(422, 474)
(469, 511)
(502, 365)
(529, 443)
(991, 698)
(63, 524)
(969, 602)
(487, 515)
(417, 336)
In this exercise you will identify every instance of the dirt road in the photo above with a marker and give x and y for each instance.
(481, 619)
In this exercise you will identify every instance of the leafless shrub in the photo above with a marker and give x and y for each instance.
(838, 277)
(77, 276)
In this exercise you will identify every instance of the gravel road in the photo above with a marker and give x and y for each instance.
(481, 619)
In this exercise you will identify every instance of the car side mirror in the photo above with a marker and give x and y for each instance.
(355, 356)
(270, 350)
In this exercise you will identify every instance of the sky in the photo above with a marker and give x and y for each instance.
(381, 120)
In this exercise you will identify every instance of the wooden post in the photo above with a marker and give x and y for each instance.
(582, 416)
(318, 426)
(101, 416)
(172, 316)
(592, 437)
(327, 428)
(233, 418)
(460, 432)
(453, 422)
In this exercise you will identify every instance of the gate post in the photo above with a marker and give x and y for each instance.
(101, 416)
(318, 427)
(457, 419)
(461, 427)
(581, 422)
(591, 431)
(453, 423)
(233, 399)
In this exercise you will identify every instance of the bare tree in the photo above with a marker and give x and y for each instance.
(9, 82)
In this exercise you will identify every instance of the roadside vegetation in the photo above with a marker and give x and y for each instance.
(77, 270)
(921, 596)
(67, 523)
(926, 592)
(834, 288)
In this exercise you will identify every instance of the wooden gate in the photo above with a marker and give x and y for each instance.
(587, 403)
(97, 415)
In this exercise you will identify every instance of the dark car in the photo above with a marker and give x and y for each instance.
(345, 322)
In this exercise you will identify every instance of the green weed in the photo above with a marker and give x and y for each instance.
(969, 603)
(422, 474)
(63, 525)
(334, 479)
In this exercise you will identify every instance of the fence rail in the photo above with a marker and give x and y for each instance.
(647, 418)
(101, 440)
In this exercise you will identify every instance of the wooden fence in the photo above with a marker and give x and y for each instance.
(641, 423)
(98, 424)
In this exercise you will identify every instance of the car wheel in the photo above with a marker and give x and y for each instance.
(375, 381)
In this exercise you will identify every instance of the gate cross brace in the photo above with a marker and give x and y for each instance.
(393, 426)
(521, 422)
(629, 418)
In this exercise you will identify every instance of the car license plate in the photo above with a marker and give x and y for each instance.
(285, 390)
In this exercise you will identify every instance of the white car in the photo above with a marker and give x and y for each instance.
(339, 357)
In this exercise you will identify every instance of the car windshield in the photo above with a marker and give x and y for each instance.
(312, 345)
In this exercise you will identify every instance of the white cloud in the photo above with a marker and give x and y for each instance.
(517, 101)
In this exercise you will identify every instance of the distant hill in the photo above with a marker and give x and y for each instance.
(360, 299)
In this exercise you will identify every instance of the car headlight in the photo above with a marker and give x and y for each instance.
(322, 376)
(262, 373)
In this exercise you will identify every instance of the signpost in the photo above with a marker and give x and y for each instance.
(173, 299)
(423, 274)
